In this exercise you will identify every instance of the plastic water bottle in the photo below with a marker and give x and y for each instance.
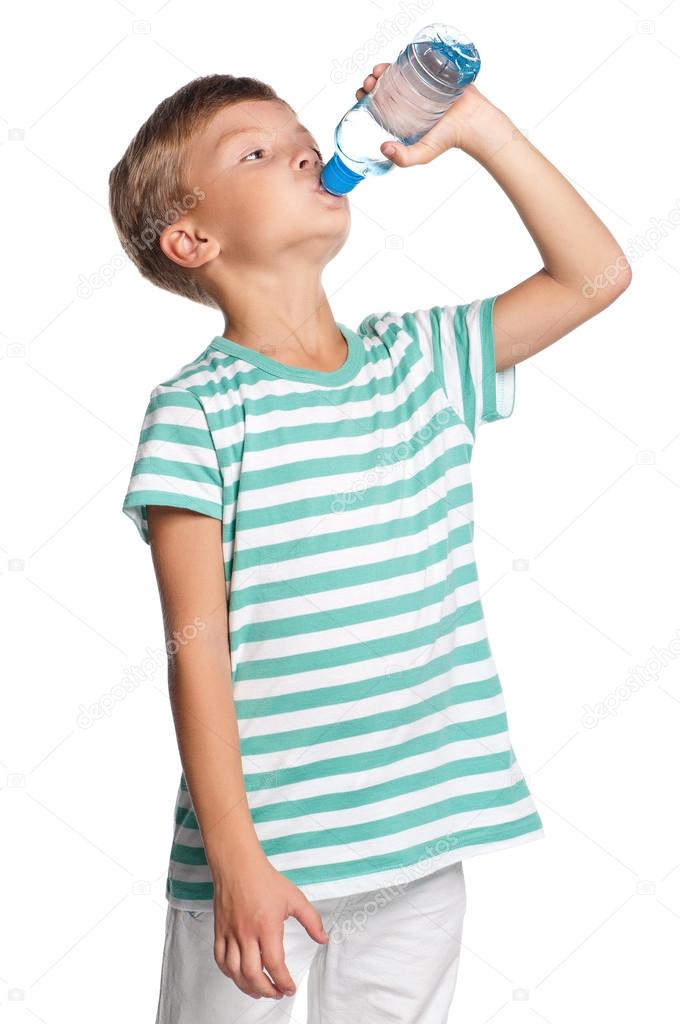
(409, 98)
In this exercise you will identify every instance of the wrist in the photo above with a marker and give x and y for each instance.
(233, 860)
(486, 132)
(231, 844)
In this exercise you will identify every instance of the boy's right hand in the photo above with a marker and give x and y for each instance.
(250, 907)
(452, 130)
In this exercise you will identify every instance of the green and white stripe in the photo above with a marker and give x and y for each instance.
(373, 727)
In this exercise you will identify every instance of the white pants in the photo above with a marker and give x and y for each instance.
(392, 955)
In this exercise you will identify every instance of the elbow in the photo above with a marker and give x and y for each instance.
(607, 286)
(624, 275)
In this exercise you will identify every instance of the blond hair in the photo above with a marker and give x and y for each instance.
(148, 187)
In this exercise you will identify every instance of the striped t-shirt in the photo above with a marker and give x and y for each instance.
(373, 729)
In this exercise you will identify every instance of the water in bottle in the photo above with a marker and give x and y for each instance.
(409, 98)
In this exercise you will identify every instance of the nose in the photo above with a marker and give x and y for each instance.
(309, 158)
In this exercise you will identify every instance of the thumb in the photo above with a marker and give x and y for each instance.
(420, 152)
(310, 919)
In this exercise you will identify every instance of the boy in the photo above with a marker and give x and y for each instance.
(305, 490)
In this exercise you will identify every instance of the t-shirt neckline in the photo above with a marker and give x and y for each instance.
(353, 361)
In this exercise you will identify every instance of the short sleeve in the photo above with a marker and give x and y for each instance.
(176, 462)
(461, 344)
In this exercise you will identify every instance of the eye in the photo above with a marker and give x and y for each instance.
(254, 151)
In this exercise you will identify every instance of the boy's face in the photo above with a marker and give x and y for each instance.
(260, 169)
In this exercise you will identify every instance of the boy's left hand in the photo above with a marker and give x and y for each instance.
(448, 133)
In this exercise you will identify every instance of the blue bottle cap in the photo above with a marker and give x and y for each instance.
(337, 178)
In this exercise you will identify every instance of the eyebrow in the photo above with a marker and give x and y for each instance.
(246, 131)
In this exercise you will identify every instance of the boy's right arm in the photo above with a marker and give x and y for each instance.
(251, 899)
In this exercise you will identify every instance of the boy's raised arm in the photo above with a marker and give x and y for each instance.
(584, 268)
(251, 898)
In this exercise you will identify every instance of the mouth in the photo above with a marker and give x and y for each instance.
(318, 187)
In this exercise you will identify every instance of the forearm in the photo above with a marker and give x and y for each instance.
(201, 696)
(573, 242)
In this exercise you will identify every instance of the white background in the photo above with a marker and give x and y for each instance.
(577, 494)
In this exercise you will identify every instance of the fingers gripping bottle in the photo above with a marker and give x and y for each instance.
(410, 96)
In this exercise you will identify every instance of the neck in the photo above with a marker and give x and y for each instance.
(286, 316)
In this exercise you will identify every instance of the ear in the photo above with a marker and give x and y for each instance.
(185, 245)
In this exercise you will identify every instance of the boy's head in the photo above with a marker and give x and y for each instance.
(221, 176)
